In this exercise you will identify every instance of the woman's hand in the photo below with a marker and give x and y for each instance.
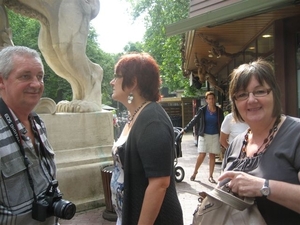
(283, 193)
(243, 184)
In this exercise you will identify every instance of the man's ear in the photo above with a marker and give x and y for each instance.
(2, 86)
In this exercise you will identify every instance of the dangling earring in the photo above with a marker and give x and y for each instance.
(130, 98)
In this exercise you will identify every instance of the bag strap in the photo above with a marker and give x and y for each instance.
(36, 118)
(231, 200)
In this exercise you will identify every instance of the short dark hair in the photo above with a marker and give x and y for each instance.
(263, 71)
(144, 68)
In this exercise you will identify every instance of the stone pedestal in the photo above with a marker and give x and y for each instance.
(82, 143)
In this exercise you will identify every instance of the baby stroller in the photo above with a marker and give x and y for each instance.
(179, 172)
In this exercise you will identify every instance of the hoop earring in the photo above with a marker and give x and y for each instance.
(130, 98)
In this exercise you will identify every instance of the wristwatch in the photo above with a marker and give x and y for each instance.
(265, 190)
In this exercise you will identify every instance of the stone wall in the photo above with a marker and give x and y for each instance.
(82, 143)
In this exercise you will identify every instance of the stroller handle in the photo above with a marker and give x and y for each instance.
(178, 133)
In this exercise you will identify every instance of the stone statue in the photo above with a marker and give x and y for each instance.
(5, 32)
(62, 41)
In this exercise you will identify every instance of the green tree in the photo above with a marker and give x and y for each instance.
(166, 50)
(134, 47)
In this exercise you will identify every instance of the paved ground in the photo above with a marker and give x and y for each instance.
(187, 190)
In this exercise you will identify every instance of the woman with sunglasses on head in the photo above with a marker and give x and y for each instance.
(264, 161)
(143, 182)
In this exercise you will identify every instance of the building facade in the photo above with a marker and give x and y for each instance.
(222, 34)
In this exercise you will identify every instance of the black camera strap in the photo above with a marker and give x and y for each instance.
(9, 119)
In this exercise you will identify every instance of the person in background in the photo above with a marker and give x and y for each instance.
(143, 182)
(264, 161)
(230, 129)
(210, 118)
(26, 157)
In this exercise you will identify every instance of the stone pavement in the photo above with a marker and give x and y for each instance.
(187, 190)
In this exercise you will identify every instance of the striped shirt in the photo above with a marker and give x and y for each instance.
(16, 195)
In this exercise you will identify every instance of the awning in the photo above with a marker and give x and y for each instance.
(227, 14)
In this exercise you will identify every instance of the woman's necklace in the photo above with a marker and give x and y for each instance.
(211, 112)
(130, 118)
(266, 142)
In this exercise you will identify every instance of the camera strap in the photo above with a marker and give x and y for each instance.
(42, 147)
(9, 119)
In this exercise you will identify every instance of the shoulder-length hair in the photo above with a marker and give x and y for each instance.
(263, 72)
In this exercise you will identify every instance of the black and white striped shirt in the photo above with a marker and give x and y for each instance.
(16, 195)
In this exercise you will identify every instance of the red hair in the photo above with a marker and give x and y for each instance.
(144, 68)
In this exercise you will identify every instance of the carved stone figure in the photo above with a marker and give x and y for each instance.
(5, 32)
(217, 49)
(204, 67)
(62, 41)
(213, 82)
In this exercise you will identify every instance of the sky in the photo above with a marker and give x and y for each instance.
(115, 27)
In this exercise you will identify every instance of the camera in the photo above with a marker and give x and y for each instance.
(51, 203)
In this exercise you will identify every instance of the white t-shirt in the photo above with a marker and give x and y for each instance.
(232, 127)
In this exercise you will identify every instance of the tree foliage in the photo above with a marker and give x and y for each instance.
(166, 50)
(134, 47)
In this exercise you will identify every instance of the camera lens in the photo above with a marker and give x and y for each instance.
(64, 209)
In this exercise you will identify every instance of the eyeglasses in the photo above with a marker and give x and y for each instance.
(117, 76)
(260, 92)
